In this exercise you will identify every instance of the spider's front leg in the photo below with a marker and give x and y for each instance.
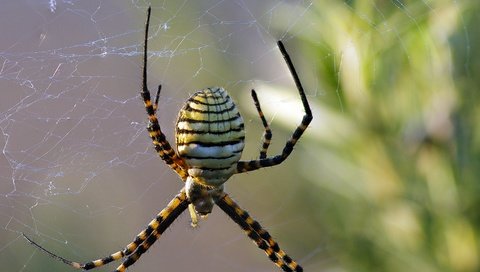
(259, 235)
(141, 243)
(156, 228)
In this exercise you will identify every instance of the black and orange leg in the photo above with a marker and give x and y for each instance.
(155, 235)
(267, 135)
(176, 206)
(271, 243)
(259, 235)
(162, 146)
(245, 166)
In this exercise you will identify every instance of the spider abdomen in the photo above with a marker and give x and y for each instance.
(210, 136)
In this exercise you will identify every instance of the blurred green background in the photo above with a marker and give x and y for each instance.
(386, 178)
(396, 181)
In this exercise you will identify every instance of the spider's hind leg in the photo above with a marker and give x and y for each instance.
(267, 135)
(157, 97)
(245, 166)
(162, 146)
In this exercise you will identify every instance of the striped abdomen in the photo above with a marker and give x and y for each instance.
(210, 136)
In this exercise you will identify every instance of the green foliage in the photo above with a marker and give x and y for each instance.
(396, 138)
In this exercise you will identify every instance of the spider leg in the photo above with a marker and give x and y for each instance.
(157, 97)
(131, 259)
(259, 235)
(245, 166)
(176, 206)
(51, 254)
(171, 213)
(162, 146)
(267, 135)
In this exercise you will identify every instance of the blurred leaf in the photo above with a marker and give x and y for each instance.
(395, 172)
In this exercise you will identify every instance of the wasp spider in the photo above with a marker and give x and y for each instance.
(210, 139)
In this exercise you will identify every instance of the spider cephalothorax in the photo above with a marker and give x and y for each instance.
(210, 139)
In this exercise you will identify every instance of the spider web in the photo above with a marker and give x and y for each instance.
(78, 172)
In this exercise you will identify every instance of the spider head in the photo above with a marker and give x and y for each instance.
(202, 197)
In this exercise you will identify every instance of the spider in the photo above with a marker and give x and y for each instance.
(210, 139)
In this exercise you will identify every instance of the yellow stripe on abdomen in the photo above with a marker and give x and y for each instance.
(210, 136)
